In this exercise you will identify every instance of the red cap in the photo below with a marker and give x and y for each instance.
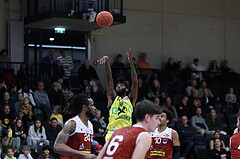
(98, 147)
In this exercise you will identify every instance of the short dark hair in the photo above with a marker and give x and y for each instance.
(46, 148)
(77, 102)
(119, 55)
(53, 119)
(169, 115)
(146, 107)
(195, 60)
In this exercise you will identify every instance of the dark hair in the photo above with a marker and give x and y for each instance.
(2, 51)
(1, 81)
(119, 55)
(77, 102)
(46, 148)
(146, 107)
(195, 60)
(53, 119)
(121, 80)
(35, 128)
(16, 128)
(169, 115)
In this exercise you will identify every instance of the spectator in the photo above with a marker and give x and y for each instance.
(23, 75)
(3, 88)
(4, 58)
(86, 73)
(99, 125)
(67, 64)
(37, 136)
(41, 98)
(57, 114)
(6, 101)
(52, 131)
(231, 99)
(13, 92)
(98, 149)
(9, 142)
(157, 101)
(46, 60)
(156, 91)
(18, 104)
(56, 95)
(67, 93)
(194, 105)
(118, 68)
(26, 153)
(207, 101)
(199, 123)
(142, 89)
(204, 86)
(214, 70)
(228, 75)
(6, 118)
(26, 110)
(19, 133)
(27, 92)
(168, 106)
(216, 135)
(218, 152)
(58, 70)
(189, 88)
(193, 96)
(184, 108)
(196, 69)
(10, 154)
(170, 70)
(46, 153)
(186, 134)
(213, 122)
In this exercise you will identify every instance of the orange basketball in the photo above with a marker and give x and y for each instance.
(104, 19)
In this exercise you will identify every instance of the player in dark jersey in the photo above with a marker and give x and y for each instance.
(75, 139)
(235, 141)
(165, 140)
(133, 141)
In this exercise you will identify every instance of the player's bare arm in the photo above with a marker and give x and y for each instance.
(60, 143)
(142, 146)
(110, 85)
(102, 152)
(134, 89)
(176, 145)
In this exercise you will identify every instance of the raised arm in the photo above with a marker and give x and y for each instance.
(110, 85)
(61, 140)
(134, 89)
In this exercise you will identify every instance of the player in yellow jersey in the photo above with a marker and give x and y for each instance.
(120, 103)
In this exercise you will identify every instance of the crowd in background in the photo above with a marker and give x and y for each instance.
(204, 102)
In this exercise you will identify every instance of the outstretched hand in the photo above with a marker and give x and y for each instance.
(129, 53)
(103, 60)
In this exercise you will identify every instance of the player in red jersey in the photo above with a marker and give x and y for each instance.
(235, 141)
(165, 141)
(134, 141)
(75, 139)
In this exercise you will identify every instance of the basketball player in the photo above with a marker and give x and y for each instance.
(235, 141)
(120, 103)
(133, 142)
(75, 139)
(165, 141)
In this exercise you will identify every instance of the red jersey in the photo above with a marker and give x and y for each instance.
(235, 146)
(122, 143)
(162, 147)
(81, 139)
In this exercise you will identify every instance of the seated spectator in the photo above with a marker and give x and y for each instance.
(26, 153)
(52, 131)
(218, 152)
(228, 75)
(86, 73)
(57, 114)
(4, 58)
(118, 68)
(184, 109)
(18, 104)
(157, 101)
(27, 92)
(216, 135)
(41, 99)
(26, 110)
(9, 142)
(23, 75)
(67, 93)
(56, 95)
(189, 88)
(19, 133)
(156, 91)
(231, 99)
(199, 123)
(7, 119)
(170, 70)
(37, 136)
(13, 92)
(168, 106)
(197, 70)
(214, 70)
(46, 153)
(10, 154)
(193, 96)
(3, 88)
(207, 101)
(186, 134)
(99, 125)
(195, 104)
(202, 87)
(213, 121)
(6, 101)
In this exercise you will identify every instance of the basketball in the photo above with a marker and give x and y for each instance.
(104, 19)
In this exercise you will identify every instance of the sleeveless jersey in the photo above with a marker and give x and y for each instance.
(162, 147)
(235, 146)
(81, 139)
(122, 143)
